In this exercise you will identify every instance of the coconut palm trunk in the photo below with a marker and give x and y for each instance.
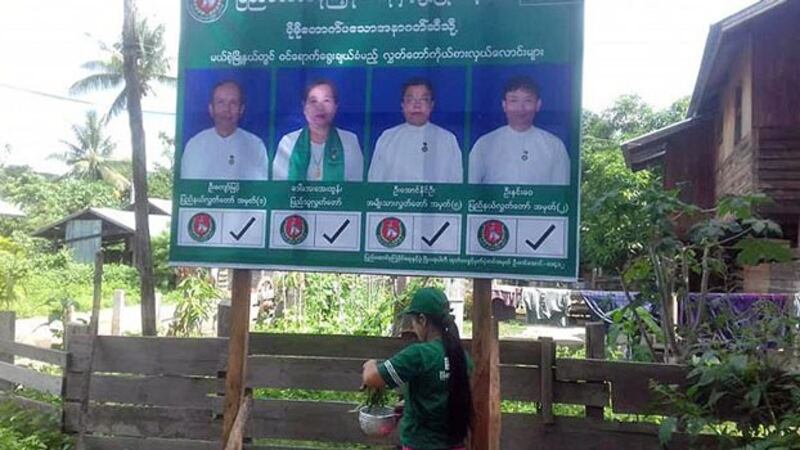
(141, 247)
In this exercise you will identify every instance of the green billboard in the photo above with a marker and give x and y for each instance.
(436, 137)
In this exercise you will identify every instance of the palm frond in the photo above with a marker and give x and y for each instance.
(114, 178)
(166, 80)
(118, 106)
(96, 82)
(98, 66)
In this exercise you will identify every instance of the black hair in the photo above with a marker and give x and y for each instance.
(459, 400)
(522, 82)
(417, 81)
(321, 82)
(232, 83)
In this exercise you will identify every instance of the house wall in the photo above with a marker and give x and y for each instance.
(776, 126)
(776, 82)
(735, 171)
(689, 165)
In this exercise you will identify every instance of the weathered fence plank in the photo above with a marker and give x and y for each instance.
(630, 381)
(512, 351)
(596, 349)
(547, 379)
(30, 378)
(343, 374)
(124, 443)
(46, 355)
(29, 404)
(150, 390)
(521, 430)
(145, 422)
(155, 356)
(522, 383)
(308, 420)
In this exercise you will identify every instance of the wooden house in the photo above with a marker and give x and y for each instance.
(87, 231)
(742, 132)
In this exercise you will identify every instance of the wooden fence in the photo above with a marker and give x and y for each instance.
(166, 393)
(15, 361)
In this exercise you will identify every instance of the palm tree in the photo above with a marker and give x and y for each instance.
(89, 157)
(152, 63)
(135, 52)
(134, 64)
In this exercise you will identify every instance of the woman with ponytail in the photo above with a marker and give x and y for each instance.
(434, 375)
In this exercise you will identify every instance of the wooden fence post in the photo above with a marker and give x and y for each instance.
(78, 354)
(546, 369)
(224, 318)
(595, 349)
(116, 313)
(486, 379)
(8, 321)
(237, 350)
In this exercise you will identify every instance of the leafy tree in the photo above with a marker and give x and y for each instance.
(612, 195)
(46, 199)
(153, 67)
(14, 267)
(160, 179)
(89, 157)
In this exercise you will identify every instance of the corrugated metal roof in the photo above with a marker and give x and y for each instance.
(124, 220)
(157, 206)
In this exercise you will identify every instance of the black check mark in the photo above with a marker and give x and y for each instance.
(336, 235)
(241, 233)
(541, 239)
(436, 236)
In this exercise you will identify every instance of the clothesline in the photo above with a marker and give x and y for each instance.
(550, 305)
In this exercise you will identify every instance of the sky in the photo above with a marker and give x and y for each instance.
(651, 48)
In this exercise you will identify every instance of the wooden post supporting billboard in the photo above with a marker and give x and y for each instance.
(486, 378)
(237, 349)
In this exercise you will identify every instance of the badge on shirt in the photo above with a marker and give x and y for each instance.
(231, 160)
(424, 147)
(524, 155)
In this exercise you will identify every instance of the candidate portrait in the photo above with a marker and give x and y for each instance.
(225, 151)
(519, 152)
(416, 151)
(319, 151)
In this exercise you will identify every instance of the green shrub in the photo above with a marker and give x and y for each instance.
(193, 298)
(24, 429)
(57, 280)
(746, 389)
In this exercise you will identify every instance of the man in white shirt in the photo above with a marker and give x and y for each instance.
(225, 151)
(416, 151)
(519, 153)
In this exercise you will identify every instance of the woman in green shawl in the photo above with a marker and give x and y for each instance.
(319, 151)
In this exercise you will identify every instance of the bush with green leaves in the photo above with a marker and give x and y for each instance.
(194, 304)
(14, 268)
(27, 429)
(165, 276)
(746, 390)
(333, 304)
(49, 286)
(35, 280)
(664, 271)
